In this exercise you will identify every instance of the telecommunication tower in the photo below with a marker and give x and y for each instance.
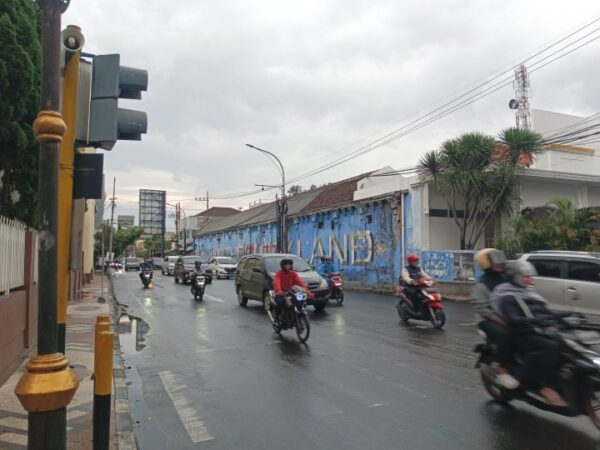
(521, 101)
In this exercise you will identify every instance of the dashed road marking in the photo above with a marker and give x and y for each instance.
(189, 416)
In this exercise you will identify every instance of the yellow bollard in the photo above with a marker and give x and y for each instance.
(103, 368)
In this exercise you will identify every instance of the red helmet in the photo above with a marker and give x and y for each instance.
(412, 258)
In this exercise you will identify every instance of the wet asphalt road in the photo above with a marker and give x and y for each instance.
(213, 375)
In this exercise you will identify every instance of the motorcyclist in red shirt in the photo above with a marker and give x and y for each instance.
(284, 280)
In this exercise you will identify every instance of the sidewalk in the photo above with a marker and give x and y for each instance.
(81, 319)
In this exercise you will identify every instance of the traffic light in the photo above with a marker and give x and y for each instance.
(106, 123)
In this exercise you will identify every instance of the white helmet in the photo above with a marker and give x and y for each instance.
(517, 269)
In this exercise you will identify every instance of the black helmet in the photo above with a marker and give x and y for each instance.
(285, 261)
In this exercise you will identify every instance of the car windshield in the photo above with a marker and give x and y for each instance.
(225, 261)
(130, 260)
(190, 259)
(272, 263)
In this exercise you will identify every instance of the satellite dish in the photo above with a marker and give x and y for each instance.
(513, 104)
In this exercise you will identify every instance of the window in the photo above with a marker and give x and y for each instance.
(250, 263)
(438, 213)
(546, 267)
(369, 218)
(584, 271)
(242, 264)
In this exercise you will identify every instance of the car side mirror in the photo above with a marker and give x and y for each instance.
(256, 269)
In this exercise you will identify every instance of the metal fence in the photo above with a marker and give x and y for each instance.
(12, 255)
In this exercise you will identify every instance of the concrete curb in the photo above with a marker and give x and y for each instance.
(125, 436)
(389, 292)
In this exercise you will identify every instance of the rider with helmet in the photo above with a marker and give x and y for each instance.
(285, 279)
(410, 275)
(146, 265)
(325, 268)
(522, 308)
(491, 261)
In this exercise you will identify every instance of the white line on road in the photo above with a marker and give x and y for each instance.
(187, 414)
(214, 299)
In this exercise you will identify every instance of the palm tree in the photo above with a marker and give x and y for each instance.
(479, 173)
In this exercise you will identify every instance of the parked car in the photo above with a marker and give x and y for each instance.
(184, 267)
(168, 266)
(222, 267)
(568, 280)
(157, 262)
(132, 264)
(255, 273)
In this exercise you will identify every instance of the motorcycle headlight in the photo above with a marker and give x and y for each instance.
(323, 284)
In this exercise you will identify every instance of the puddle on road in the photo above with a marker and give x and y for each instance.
(132, 333)
(132, 337)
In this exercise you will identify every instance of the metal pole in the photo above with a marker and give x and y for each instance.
(282, 230)
(65, 182)
(112, 221)
(48, 385)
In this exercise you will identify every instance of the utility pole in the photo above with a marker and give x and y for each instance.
(112, 220)
(48, 385)
(202, 199)
(177, 227)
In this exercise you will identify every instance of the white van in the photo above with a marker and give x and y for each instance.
(168, 267)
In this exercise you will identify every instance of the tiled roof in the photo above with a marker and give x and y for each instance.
(218, 211)
(334, 194)
(328, 196)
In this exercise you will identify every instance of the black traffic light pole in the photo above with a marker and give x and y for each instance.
(48, 385)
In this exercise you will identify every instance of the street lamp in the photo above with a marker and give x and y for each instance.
(282, 206)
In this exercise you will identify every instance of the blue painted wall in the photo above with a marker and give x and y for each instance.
(363, 242)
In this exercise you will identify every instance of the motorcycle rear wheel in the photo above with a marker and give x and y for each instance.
(592, 408)
(302, 328)
(339, 297)
(495, 392)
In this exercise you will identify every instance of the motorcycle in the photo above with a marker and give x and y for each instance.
(198, 286)
(146, 278)
(292, 313)
(579, 373)
(431, 309)
(335, 287)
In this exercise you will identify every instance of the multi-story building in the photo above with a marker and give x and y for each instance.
(125, 221)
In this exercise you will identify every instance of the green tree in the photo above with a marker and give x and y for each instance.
(564, 227)
(477, 174)
(294, 190)
(152, 246)
(125, 238)
(20, 52)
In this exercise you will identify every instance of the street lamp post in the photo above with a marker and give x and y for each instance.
(48, 385)
(282, 242)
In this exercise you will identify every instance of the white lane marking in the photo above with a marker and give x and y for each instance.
(189, 416)
(214, 299)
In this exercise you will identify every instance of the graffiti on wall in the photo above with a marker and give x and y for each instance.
(355, 249)
(449, 265)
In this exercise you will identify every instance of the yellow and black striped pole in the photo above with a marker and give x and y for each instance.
(65, 175)
(103, 367)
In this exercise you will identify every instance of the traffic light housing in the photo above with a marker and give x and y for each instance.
(106, 123)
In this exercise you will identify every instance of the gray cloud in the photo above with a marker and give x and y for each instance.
(307, 79)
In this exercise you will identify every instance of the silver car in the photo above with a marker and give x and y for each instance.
(168, 267)
(568, 280)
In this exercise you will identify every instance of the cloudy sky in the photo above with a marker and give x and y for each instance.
(313, 80)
